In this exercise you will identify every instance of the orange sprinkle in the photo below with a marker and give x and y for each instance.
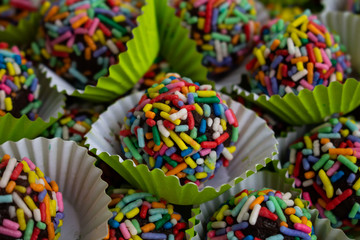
(279, 71)
(283, 224)
(90, 42)
(87, 53)
(275, 44)
(315, 30)
(80, 22)
(148, 227)
(54, 10)
(304, 220)
(114, 201)
(157, 148)
(321, 202)
(150, 114)
(290, 211)
(310, 69)
(157, 205)
(341, 151)
(151, 144)
(148, 135)
(10, 187)
(54, 186)
(177, 169)
(258, 200)
(47, 210)
(185, 90)
(51, 231)
(324, 140)
(175, 216)
(181, 175)
(299, 59)
(235, 39)
(262, 78)
(37, 187)
(5, 157)
(309, 174)
(60, 16)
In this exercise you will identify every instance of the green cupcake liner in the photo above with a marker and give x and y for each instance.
(277, 181)
(255, 148)
(310, 107)
(23, 33)
(159, 32)
(14, 129)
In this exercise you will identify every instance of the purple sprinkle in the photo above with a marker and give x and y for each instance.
(353, 138)
(351, 178)
(239, 226)
(81, 46)
(100, 51)
(150, 235)
(199, 169)
(104, 12)
(312, 159)
(170, 151)
(11, 85)
(190, 98)
(337, 127)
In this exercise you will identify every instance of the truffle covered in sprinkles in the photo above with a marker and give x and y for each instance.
(181, 127)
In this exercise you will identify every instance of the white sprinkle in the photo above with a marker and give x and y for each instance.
(254, 214)
(297, 76)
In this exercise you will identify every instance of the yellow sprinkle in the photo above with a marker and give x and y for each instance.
(65, 120)
(231, 149)
(209, 164)
(192, 89)
(45, 53)
(119, 18)
(308, 142)
(339, 76)
(39, 172)
(53, 208)
(8, 104)
(30, 71)
(132, 213)
(356, 186)
(196, 146)
(295, 219)
(328, 39)
(26, 167)
(207, 37)
(167, 141)
(152, 162)
(156, 88)
(300, 66)
(28, 200)
(304, 26)
(32, 177)
(10, 68)
(223, 124)
(353, 159)
(20, 189)
(2, 72)
(344, 132)
(190, 162)
(57, 236)
(201, 175)
(207, 47)
(131, 191)
(198, 109)
(329, 189)
(318, 55)
(260, 57)
(167, 117)
(201, 23)
(21, 218)
(44, 7)
(170, 208)
(297, 22)
(162, 106)
(136, 237)
(178, 140)
(202, 93)
(60, 223)
(62, 48)
(164, 169)
(295, 39)
(147, 107)
(220, 215)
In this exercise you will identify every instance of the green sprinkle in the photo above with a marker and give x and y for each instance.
(201, 139)
(328, 165)
(132, 149)
(282, 204)
(156, 135)
(136, 225)
(321, 162)
(41, 225)
(278, 209)
(112, 23)
(235, 211)
(235, 134)
(330, 216)
(221, 37)
(354, 210)
(207, 100)
(325, 130)
(162, 221)
(193, 133)
(348, 163)
(29, 229)
(298, 145)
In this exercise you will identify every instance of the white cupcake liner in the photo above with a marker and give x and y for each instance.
(335, 5)
(257, 181)
(73, 169)
(256, 147)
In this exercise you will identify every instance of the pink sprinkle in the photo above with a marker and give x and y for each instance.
(163, 149)
(175, 85)
(9, 232)
(321, 210)
(124, 231)
(278, 194)
(325, 58)
(268, 86)
(333, 169)
(30, 97)
(147, 204)
(197, 182)
(28, 190)
(325, 83)
(356, 154)
(242, 52)
(322, 66)
(312, 37)
(156, 155)
(357, 144)
(30, 163)
(81, 31)
(306, 84)
(142, 104)
(5, 88)
(339, 68)
(16, 50)
(77, 17)
(211, 234)
(297, 182)
(205, 151)
(198, 3)
(93, 26)
(302, 227)
(11, 224)
(288, 58)
(60, 202)
(306, 197)
(312, 17)
(115, 9)
(272, 22)
(229, 117)
(84, 6)
(70, 42)
(61, 38)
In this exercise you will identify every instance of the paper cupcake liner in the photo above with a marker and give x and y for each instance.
(23, 33)
(309, 107)
(335, 5)
(72, 168)
(257, 181)
(51, 109)
(256, 147)
(159, 31)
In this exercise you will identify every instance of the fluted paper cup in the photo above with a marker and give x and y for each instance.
(53, 102)
(256, 147)
(277, 181)
(73, 169)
